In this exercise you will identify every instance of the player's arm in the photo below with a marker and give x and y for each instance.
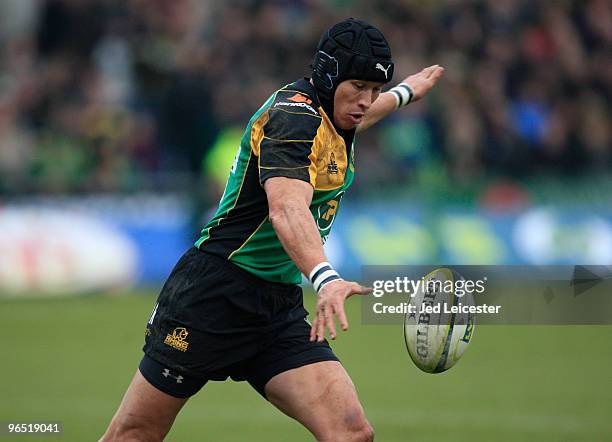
(288, 201)
(287, 172)
(419, 84)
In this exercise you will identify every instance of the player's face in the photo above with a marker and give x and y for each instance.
(352, 100)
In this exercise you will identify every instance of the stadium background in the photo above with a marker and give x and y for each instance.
(118, 123)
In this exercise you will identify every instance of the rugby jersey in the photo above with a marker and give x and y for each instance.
(289, 136)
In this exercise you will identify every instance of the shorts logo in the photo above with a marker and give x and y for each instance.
(177, 338)
(166, 373)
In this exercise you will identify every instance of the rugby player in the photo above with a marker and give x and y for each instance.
(232, 306)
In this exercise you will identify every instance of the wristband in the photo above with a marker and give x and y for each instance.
(322, 274)
(403, 94)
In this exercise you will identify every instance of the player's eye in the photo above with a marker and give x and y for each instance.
(359, 86)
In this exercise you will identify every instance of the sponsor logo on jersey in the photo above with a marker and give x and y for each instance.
(294, 104)
(177, 338)
(299, 98)
(332, 207)
(332, 166)
(327, 213)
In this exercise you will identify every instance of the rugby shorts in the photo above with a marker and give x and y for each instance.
(214, 320)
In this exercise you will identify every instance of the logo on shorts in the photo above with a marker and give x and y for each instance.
(177, 338)
(166, 373)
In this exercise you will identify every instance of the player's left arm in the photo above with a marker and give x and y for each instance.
(420, 84)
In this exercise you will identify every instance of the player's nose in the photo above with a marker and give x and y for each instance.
(365, 100)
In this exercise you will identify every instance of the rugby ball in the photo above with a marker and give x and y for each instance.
(438, 325)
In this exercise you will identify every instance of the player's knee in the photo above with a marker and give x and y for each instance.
(367, 434)
(356, 428)
(363, 432)
(133, 429)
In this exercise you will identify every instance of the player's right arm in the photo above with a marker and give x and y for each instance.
(289, 200)
(287, 172)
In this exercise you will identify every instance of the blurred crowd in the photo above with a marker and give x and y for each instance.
(125, 95)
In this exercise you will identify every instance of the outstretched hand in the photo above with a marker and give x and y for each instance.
(423, 81)
(330, 303)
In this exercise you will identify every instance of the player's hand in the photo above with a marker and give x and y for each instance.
(423, 81)
(330, 303)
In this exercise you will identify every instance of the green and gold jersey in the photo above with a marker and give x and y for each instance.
(289, 136)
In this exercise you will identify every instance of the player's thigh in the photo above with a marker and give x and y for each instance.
(323, 398)
(145, 413)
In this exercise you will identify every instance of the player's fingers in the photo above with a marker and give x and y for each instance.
(342, 317)
(321, 325)
(428, 68)
(436, 73)
(428, 71)
(365, 290)
(331, 324)
(313, 328)
(358, 289)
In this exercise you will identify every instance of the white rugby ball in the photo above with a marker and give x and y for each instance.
(437, 331)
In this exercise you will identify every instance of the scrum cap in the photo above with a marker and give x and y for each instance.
(351, 49)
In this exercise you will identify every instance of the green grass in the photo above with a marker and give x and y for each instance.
(71, 359)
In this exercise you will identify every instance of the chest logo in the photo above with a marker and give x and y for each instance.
(327, 213)
(332, 166)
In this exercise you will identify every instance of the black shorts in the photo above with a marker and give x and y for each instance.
(214, 320)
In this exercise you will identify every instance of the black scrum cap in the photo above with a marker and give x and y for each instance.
(351, 49)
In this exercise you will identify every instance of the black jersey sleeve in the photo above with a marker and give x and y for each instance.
(285, 144)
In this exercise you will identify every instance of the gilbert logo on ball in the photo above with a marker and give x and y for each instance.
(435, 331)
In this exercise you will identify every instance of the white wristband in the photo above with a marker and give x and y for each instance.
(403, 94)
(322, 274)
(318, 267)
